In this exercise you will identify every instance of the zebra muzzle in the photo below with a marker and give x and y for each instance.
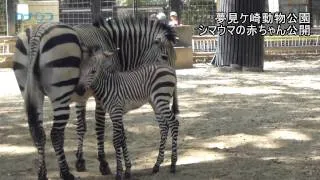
(80, 89)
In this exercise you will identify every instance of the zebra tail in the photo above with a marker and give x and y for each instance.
(31, 101)
(32, 86)
(30, 105)
(175, 106)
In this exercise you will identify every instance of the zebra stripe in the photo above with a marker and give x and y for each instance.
(70, 61)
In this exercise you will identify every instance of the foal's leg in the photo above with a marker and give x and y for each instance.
(163, 134)
(174, 127)
(126, 156)
(168, 120)
(118, 136)
(100, 128)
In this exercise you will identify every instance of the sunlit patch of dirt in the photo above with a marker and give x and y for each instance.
(232, 126)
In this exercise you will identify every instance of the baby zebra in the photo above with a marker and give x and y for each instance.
(120, 92)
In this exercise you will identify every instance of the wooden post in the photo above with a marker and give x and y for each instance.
(240, 52)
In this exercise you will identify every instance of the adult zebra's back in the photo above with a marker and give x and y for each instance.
(50, 57)
(133, 36)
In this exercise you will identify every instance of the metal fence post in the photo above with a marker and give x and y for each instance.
(95, 9)
(11, 10)
(135, 7)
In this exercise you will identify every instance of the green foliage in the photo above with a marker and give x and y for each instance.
(3, 21)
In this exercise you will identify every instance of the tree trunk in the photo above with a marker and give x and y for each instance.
(240, 52)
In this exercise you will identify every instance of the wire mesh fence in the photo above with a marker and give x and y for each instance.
(142, 8)
(198, 12)
(3, 18)
(190, 12)
(75, 12)
(83, 11)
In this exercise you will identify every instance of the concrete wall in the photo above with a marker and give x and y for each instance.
(184, 32)
(184, 57)
(184, 47)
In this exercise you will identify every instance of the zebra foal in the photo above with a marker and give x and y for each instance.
(120, 92)
(134, 36)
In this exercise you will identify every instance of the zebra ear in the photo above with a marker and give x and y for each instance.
(108, 53)
(157, 40)
(28, 33)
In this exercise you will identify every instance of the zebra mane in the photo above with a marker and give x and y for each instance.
(169, 31)
(28, 33)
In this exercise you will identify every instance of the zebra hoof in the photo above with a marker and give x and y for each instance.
(127, 175)
(173, 169)
(42, 177)
(68, 176)
(118, 177)
(155, 169)
(104, 168)
(81, 165)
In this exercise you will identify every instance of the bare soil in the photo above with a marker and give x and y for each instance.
(232, 126)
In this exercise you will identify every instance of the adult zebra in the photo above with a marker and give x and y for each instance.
(46, 62)
(134, 37)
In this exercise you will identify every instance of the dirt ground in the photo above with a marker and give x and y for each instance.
(262, 126)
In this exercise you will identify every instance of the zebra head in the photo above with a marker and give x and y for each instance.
(91, 68)
(159, 49)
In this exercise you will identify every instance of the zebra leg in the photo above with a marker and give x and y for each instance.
(126, 156)
(100, 126)
(174, 126)
(116, 118)
(35, 121)
(61, 117)
(81, 130)
(163, 134)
